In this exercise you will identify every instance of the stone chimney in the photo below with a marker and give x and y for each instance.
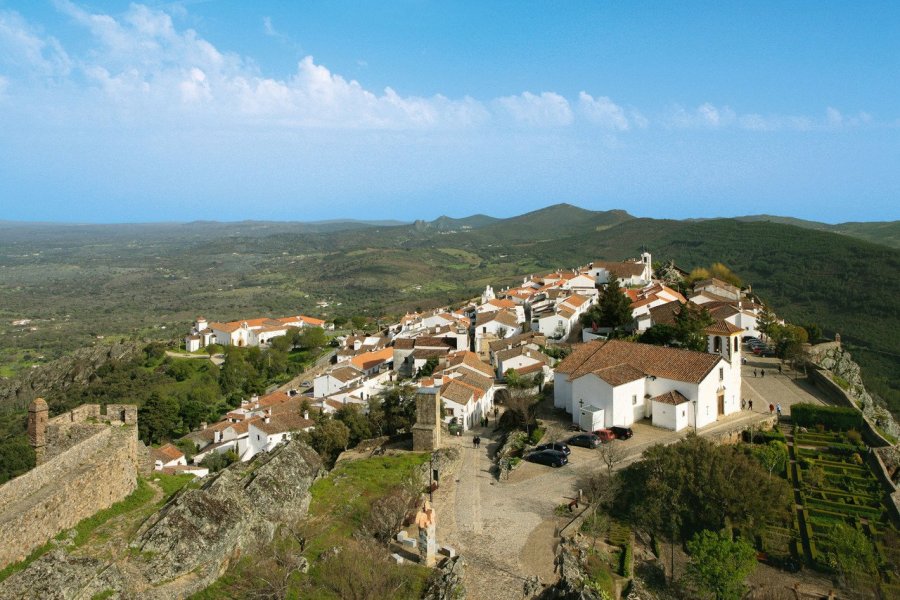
(202, 425)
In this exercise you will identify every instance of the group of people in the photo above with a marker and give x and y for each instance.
(748, 405)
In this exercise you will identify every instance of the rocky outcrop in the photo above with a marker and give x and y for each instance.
(203, 529)
(60, 374)
(572, 577)
(190, 542)
(846, 373)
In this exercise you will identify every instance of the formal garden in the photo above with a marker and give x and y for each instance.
(843, 523)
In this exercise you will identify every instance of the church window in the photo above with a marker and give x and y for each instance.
(721, 373)
(717, 344)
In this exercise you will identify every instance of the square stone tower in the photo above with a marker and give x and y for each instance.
(38, 415)
(427, 430)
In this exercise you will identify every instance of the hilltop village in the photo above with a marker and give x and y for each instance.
(621, 405)
(535, 330)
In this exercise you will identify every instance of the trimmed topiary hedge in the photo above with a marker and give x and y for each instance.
(832, 417)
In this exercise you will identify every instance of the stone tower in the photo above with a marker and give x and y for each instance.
(427, 430)
(38, 414)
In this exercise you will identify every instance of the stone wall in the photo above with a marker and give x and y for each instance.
(69, 429)
(92, 475)
(836, 394)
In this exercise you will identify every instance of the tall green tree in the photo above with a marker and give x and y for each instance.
(719, 565)
(612, 310)
(329, 438)
(691, 322)
(159, 418)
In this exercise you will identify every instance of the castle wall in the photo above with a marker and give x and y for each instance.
(92, 475)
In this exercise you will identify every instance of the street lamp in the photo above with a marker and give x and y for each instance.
(694, 402)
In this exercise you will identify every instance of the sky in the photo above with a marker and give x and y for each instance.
(321, 109)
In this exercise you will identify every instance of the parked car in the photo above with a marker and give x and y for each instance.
(605, 435)
(584, 440)
(551, 458)
(558, 446)
(621, 433)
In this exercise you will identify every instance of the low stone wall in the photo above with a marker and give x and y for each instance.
(91, 476)
(735, 434)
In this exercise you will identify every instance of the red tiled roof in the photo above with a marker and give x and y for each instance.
(670, 363)
(619, 374)
(673, 397)
(167, 453)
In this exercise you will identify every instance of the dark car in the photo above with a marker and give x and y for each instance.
(551, 458)
(605, 435)
(558, 446)
(584, 440)
(621, 433)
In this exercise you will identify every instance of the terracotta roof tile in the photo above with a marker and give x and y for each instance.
(670, 363)
(673, 397)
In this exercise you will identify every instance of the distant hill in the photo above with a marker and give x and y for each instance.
(879, 232)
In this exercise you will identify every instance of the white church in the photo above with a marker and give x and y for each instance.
(606, 383)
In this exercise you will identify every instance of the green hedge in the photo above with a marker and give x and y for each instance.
(624, 569)
(832, 417)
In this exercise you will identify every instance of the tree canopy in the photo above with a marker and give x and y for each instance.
(719, 565)
(700, 486)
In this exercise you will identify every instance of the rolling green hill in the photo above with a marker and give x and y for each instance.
(151, 281)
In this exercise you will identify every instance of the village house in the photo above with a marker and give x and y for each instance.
(167, 455)
(495, 325)
(250, 332)
(634, 272)
(525, 360)
(336, 379)
(264, 433)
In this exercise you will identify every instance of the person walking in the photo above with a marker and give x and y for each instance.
(778, 409)
(750, 404)
(771, 408)
(779, 368)
(743, 403)
(754, 372)
(762, 372)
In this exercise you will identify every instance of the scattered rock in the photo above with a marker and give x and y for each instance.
(447, 582)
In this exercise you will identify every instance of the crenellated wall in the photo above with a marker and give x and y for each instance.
(92, 474)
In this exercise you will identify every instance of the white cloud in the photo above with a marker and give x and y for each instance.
(604, 112)
(836, 119)
(548, 109)
(23, 48)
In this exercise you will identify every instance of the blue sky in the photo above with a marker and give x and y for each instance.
(226, 110)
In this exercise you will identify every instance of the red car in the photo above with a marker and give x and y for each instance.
(605, 435)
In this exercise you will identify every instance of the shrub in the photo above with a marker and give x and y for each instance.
(854, 436)
(536, 434)
(831, 417)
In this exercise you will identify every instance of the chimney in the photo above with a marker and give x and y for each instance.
(202, 425)
(439, 380)
(217, 437)
(266, 419)
(306, 414)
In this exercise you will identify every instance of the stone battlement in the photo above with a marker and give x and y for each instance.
(87, 461)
